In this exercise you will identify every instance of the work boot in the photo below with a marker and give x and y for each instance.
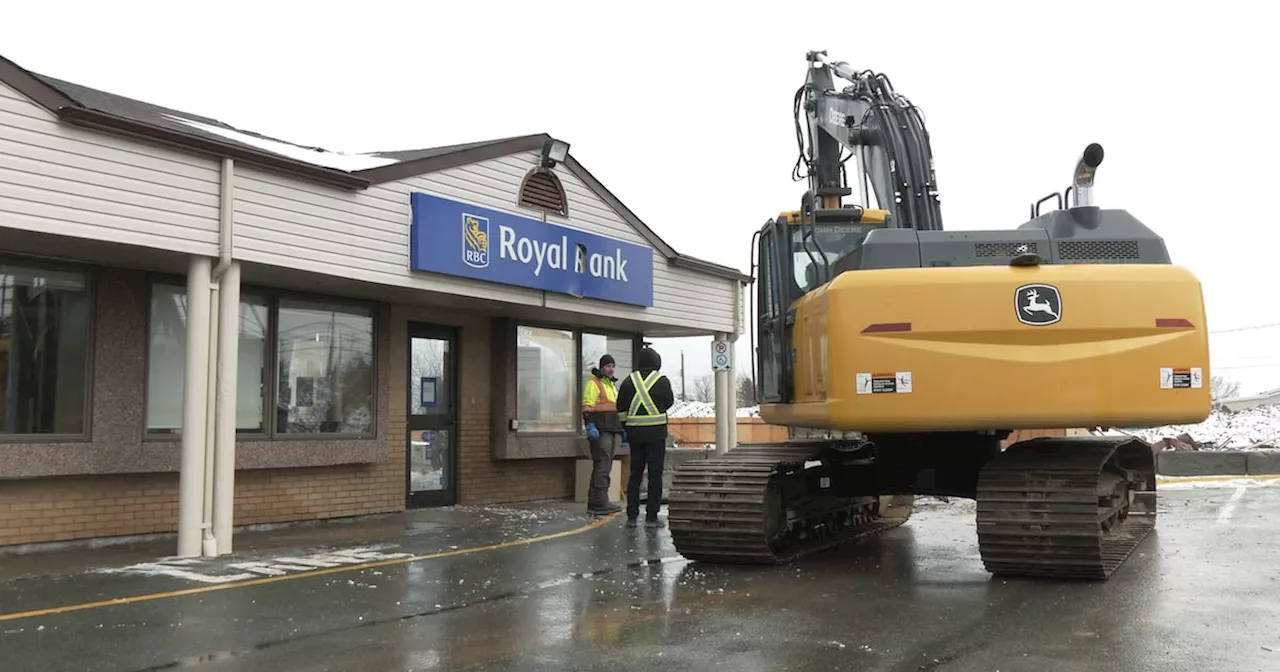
(633, 522)
(654, 523)
(603, 510)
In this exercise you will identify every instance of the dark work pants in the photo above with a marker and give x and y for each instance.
(602, 452)
(654, 456)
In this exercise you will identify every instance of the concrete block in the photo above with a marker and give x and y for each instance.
(1201, 463)
(582, 481)
(1263, 463)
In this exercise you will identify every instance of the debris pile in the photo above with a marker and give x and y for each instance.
(1249, 429)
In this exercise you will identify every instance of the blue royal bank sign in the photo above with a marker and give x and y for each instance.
(461, 239)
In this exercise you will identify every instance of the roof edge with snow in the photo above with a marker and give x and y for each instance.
(100, 110)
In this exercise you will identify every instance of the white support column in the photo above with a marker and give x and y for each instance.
(733, 365)
(732, 385)
(725, 413)
(194, 393)
(224, 483)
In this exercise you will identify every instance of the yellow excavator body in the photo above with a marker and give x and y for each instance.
(943, 349)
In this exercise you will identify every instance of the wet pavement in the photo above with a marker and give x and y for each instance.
(544, 592)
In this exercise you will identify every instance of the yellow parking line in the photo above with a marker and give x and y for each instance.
(1215, 479)
(302, 575)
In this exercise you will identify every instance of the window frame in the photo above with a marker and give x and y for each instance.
(577, 385)
(91, 274)
(271, 361)
(577, 331)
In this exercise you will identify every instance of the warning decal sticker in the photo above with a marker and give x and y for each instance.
(884, 383)
(1176, 378)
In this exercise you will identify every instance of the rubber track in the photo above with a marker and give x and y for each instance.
(717, 509)
(1038, 509)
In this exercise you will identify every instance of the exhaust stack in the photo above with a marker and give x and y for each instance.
(1082, 181)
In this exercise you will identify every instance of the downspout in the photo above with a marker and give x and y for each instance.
(215, 407)
(208, 546)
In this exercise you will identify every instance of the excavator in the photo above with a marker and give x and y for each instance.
(901, 356)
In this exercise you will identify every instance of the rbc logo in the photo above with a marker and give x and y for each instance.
(475, 241)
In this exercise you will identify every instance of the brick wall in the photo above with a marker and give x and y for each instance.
(76, 507)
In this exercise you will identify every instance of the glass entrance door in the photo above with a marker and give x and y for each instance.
(432, 416)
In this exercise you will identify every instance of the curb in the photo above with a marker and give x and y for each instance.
(1217, 463)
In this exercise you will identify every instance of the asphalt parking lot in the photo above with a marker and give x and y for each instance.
(535, 588)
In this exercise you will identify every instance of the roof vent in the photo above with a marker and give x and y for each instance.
(541, 189)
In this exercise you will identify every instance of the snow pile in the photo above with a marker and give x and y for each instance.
(1226, 430)
(319, 157)
(706, 409)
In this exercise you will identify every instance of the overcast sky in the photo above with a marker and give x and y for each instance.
(684, 109)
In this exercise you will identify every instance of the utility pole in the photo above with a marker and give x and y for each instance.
(684, 396)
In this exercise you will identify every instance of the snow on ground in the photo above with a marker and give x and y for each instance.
(1252, 428)
(1226, 430)
(706, 409)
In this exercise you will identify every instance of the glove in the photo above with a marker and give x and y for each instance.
(592, 431)
(624, 436)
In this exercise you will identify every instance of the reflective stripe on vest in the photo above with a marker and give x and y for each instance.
(651, 416)
(602, 405)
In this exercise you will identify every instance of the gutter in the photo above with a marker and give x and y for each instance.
(695, 264)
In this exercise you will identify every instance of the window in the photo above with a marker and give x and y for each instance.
(167, 360)
(325, 374)
(44, 351)
(546, 380)
(314, 359)
(595, 345)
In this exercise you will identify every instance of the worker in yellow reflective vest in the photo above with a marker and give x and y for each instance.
(643, 401)
(604, 432)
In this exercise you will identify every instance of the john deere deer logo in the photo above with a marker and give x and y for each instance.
(1038, 305)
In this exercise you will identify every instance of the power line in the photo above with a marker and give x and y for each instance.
(1247, 366)
(1253, 328)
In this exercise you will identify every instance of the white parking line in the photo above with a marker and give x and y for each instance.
(1230, 506)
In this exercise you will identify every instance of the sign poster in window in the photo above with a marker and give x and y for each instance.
(428, 392)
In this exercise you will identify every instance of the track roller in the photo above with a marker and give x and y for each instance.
(1064, 507)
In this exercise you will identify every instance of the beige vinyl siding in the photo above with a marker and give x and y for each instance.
(56, 178)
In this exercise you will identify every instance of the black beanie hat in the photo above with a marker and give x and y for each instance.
(606, 360)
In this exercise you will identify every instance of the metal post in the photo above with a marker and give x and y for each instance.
(224, 483)
(725, 412)
(191, 476)
(731, 385)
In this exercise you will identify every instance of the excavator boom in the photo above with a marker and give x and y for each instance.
(882, 130)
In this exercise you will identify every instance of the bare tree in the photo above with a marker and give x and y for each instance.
(704, 388)
(1221, 387)
(746, 391)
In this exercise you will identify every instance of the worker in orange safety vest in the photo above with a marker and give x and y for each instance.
(604, 432)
